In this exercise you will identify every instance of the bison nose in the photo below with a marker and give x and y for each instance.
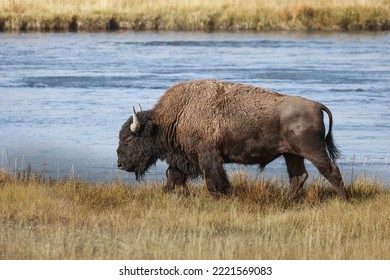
(120, 165)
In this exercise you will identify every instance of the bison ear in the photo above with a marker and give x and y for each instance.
(136, 125)
(149, 129)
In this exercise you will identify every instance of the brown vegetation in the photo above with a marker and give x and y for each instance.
(69, 219)
(198, 15)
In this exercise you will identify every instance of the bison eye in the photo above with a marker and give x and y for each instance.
(128, 139)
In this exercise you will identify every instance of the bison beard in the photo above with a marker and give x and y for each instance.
(197, 126)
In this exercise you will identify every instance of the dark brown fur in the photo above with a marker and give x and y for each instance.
(197, 126)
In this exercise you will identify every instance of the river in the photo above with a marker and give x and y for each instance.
(65, 96)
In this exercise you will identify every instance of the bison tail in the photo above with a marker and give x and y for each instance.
(333, 151)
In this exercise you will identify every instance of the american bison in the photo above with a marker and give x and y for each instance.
(197, 126)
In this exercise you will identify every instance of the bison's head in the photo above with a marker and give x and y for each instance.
(137, 150)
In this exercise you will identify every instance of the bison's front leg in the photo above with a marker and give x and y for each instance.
(175, 178)
(215, 175)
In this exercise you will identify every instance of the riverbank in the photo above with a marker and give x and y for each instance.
(70, 219)
(198, 15)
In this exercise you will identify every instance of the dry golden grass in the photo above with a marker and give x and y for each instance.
(74, 220)
(232, 15)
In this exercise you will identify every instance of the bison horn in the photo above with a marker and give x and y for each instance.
(136, 125)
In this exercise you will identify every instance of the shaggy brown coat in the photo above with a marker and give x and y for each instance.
(197, 126)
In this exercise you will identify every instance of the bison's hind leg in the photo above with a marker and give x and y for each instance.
(330, 171)
(297, 173)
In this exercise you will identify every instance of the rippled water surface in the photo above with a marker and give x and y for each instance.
(64, 97)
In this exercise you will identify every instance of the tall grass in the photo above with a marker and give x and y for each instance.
(226, 15)
(70, 219)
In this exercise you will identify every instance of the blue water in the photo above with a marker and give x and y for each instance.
(64, 96)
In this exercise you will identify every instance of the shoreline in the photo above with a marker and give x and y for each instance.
(221, 16)
(112, 24)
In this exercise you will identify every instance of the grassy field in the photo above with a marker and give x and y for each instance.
(195, 15)
(69, 219)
